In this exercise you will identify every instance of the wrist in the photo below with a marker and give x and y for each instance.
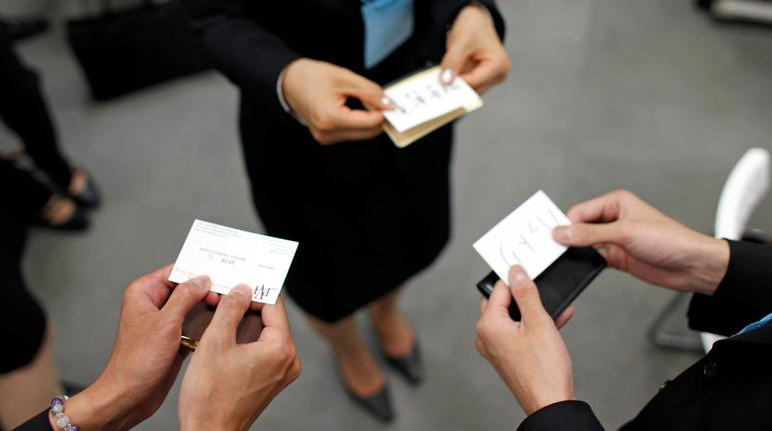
(281, 93)
(101, 407)
(714, 262)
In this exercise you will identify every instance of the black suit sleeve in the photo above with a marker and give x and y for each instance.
(744, 295)
(563, 416)
(250, 56)
(444, 13)
(37, 423)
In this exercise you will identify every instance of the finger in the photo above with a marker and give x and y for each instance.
(212, 298)
(483, 305)
(564, 317)
(275, 321)
(526, 294)
(452, 63)
(368, 92)
(229, 312)
(335, 137)
(155, 286)
(186, 295)
(356, 119)
(500, 297)
(586, 234)
(601, 209)
(483, 75)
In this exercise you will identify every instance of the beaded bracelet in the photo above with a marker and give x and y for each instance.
(62, 420)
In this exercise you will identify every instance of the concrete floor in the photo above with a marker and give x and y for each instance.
(650, 96)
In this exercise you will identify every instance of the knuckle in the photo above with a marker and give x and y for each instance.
(322, 137)
(185, 291)
(131, 290)
(287, 353)
(478, 343)
(482, 327)
(322, 123)
(620, 194)
(626, 229)
(479, 327)
(230, 302)
(582, 232)
(292, 371)
(169, 327)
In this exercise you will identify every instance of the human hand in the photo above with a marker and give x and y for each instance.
(146, 356)
(639, 239)
(317, 91)
(474, 51)
(227, 385)
(529, 355)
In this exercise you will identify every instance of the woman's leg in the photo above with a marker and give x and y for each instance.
(357, 366)
(394, 331)
(23, 108)
(25, 392)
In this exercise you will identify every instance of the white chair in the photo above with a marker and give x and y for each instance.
(745, 187)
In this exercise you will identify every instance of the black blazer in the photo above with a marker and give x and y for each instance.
(252, 41)
(728, 389)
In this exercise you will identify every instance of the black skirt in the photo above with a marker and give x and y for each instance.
(368, 215)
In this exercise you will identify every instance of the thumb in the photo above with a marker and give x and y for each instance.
(525, 293)
(229, 312)
(588, 234)
(368, 92)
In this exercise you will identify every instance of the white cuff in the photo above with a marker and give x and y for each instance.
(283, 102)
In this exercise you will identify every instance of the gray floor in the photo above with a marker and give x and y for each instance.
(645, 95)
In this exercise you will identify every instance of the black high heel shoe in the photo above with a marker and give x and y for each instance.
(89, 197)
(78, 220)
(410, 366)
(377, 405)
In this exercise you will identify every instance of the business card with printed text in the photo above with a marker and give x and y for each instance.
(231, 257)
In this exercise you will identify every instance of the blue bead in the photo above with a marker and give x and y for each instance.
(57, 400)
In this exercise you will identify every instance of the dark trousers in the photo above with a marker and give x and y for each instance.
(24, 110)
(23, 321)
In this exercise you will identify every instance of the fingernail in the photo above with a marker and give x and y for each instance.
(387, 104)
(446, 77)
(518, 273)
(563, 233)
(202, 282)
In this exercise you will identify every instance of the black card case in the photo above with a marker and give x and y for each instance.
(560, 283)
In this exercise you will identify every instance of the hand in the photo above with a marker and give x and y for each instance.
(474, 51)
(227, 385)
(317, 91)
(529, 355)
(644, 242)
(146, 356)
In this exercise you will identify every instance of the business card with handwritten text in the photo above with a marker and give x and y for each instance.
(524, 237)
(231, 257)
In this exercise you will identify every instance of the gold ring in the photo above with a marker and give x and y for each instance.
(188, 342)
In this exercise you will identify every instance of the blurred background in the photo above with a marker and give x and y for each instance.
(656, 97)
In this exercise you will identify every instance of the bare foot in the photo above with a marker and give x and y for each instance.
(394, 331)
(58, 210)
(359, 372)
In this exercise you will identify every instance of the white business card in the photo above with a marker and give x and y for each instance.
(231, 257)
(422, 98)
(524, 237)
